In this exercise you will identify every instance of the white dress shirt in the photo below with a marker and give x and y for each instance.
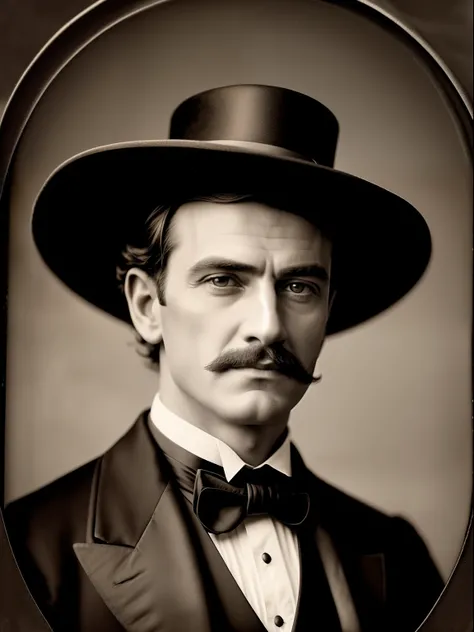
(270, 585)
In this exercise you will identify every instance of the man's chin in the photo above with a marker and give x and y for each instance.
(259, 406)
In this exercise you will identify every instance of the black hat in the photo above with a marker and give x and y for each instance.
(255, 139)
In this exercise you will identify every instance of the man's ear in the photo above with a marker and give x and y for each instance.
(143, 304)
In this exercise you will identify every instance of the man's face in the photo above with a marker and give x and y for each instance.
(242, 276)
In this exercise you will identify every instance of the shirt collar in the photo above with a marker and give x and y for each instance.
(209, 448)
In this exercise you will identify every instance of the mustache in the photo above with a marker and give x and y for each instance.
(281, 359)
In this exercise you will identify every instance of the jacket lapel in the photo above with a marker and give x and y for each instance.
(354, 562)
(139, 553)
(365, 574)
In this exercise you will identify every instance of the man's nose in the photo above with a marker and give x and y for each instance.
(263, 322)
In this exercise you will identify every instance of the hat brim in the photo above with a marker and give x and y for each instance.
(93, 204)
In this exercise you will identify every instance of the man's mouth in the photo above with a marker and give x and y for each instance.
(265, 366)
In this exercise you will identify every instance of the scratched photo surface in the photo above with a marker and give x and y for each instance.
(390, 421)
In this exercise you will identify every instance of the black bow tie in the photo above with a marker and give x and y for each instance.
(222, 506)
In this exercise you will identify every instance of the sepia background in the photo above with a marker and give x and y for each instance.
(391, 420)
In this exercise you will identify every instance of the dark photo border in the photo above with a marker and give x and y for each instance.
(18, 611)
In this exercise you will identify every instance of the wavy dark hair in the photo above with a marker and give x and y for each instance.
(152, 249)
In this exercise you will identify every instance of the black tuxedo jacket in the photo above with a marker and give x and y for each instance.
(111, 547)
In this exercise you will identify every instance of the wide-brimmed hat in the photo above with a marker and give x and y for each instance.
(233, 139)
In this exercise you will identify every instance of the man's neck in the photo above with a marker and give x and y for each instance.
(254, 444)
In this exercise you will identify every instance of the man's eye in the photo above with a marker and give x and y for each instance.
(297, 287)
(222, 281)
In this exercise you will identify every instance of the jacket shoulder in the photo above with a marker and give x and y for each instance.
(58, 511)
(55, 510)
(353, 518)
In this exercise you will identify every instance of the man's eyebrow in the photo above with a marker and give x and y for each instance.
(314, 270)
(227, 265)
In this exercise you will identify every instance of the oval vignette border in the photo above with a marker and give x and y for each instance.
(18, 611)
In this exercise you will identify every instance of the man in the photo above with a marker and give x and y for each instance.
(233, 248)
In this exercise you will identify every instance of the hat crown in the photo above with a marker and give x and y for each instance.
(268, 115)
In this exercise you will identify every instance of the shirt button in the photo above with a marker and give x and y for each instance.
(278, 621)
(267, 558)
